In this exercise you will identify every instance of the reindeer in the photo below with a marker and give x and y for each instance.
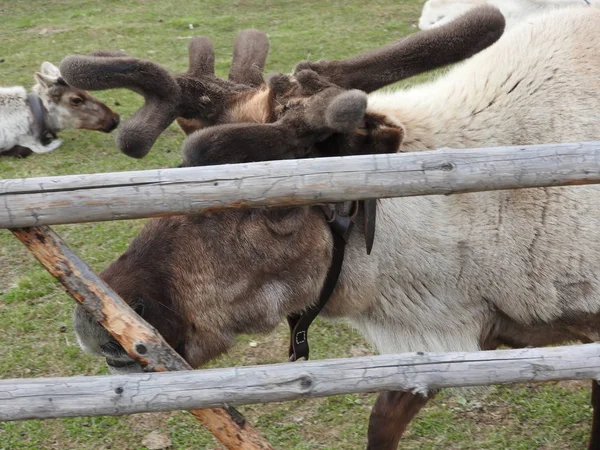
(30, 121)
(447, 273)
(440, 12)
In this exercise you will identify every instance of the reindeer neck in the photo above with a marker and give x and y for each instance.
(437, 115)
(51, 115)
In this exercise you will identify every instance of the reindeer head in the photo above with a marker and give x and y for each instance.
(196, 98)
(69, 107)
(202, 279)
(322, 109)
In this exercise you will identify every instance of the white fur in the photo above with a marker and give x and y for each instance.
(16, 122)
(444, 268)
(440, 12)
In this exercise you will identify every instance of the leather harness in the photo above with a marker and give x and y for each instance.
(41, 131)
(341, 225)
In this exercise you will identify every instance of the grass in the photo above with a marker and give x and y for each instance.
(37, 337)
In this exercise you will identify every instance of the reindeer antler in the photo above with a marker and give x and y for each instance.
(197, 94)
(415, 54)
(328, 110)
(249, 58)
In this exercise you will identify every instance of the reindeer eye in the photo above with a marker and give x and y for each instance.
(285, 108)
(76, 101)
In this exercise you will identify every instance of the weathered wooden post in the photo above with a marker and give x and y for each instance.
(137, 337)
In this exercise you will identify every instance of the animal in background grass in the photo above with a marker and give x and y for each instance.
(440, 12)
(29, 122)
(447, 273)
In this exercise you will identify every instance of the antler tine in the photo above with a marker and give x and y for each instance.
(109, 70)
(250, 51)
(418, 53)
(202, 57)
(138, 134)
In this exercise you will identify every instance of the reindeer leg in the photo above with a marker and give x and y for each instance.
(391, 414)
(18, 152)
(594, 443)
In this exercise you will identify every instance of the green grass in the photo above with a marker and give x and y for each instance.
(37, 338)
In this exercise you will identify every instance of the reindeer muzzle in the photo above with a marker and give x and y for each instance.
(112, 124)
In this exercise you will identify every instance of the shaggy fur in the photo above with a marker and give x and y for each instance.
(440, 12)
(66, 107)
(17, 124)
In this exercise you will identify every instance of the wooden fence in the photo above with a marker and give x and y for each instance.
(33, 203)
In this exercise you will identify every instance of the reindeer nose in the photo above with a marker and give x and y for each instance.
(114, 123)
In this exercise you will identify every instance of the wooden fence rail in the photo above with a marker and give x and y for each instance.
(131, 195)
(149, 392)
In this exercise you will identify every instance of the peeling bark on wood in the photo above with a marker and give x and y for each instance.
(152, 193)
(414, 372)
(137, 337)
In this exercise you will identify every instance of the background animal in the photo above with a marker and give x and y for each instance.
(29, 123)
(464, 272)
(439, 12)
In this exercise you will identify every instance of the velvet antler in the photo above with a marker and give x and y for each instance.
(249, 57)
(415, 54)
(320, 110)
(197, 95)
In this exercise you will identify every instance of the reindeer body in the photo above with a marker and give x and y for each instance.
(528, 256)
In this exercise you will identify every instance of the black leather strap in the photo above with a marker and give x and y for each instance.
(370, 216)
(340, 225)
(299, 322)
(40, 129)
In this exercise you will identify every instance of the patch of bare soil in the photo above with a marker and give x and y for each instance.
(47, 30)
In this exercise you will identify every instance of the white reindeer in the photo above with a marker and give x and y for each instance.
(440, 12)
(29, 122)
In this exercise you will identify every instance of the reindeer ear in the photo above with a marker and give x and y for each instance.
(46, 81)
(47, 68)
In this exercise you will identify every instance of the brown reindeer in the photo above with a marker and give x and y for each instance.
(464, 272)
(29, 122)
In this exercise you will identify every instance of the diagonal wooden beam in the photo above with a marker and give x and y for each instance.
(137, 337)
